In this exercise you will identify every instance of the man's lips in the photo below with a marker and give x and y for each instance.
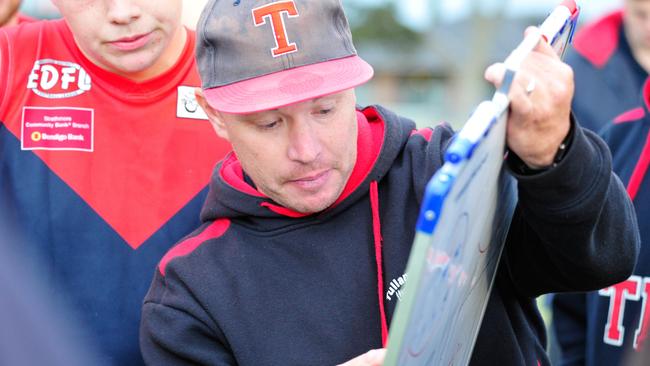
(312, 181)
(131, 43)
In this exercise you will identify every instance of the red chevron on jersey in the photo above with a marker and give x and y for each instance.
(122, 146)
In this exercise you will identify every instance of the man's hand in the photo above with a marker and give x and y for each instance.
(370, 358)
(540, 105)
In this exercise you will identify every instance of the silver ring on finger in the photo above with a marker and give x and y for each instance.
(530, 88)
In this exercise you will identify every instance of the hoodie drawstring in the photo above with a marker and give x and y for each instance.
(376, 230)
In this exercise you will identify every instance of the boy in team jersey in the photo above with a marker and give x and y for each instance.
(104, 154)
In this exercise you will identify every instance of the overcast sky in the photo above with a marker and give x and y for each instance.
(418, 13)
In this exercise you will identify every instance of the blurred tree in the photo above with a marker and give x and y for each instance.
(379, 24)
(468, 80)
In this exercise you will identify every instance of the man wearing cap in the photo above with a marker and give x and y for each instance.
(312, 216)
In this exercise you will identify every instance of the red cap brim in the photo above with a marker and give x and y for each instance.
(290, 86)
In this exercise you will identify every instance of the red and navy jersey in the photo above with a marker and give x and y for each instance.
(100, 174)
(607, 77)
(602, 327)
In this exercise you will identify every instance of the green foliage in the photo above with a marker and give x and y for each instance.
(380, 25)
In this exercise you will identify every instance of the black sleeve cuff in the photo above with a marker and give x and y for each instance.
(517, 166)
(585, 168)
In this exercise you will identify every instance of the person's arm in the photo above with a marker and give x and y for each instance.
(574, 227)
(175, 330)
(569, 327)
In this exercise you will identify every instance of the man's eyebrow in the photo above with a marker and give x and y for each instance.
(253, 116)
(327, 97)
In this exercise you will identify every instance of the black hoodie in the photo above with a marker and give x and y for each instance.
(259, 284)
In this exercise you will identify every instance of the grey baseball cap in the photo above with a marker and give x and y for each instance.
(256, 55)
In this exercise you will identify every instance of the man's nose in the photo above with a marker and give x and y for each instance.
(304, 143)
(123, 11)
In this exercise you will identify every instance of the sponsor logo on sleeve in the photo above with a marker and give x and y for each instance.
(54, 79)
(187, 106)
(62, 129)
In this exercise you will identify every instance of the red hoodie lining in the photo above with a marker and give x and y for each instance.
(427, 133)
(283, 210)
(232, 173)
(369, 142)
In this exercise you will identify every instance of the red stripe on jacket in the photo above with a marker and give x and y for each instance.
(215, 230)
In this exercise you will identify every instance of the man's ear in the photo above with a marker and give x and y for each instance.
(213, 116)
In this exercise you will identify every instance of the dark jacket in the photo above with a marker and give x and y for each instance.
(607, 77)
(258, 284)
(602, 327)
